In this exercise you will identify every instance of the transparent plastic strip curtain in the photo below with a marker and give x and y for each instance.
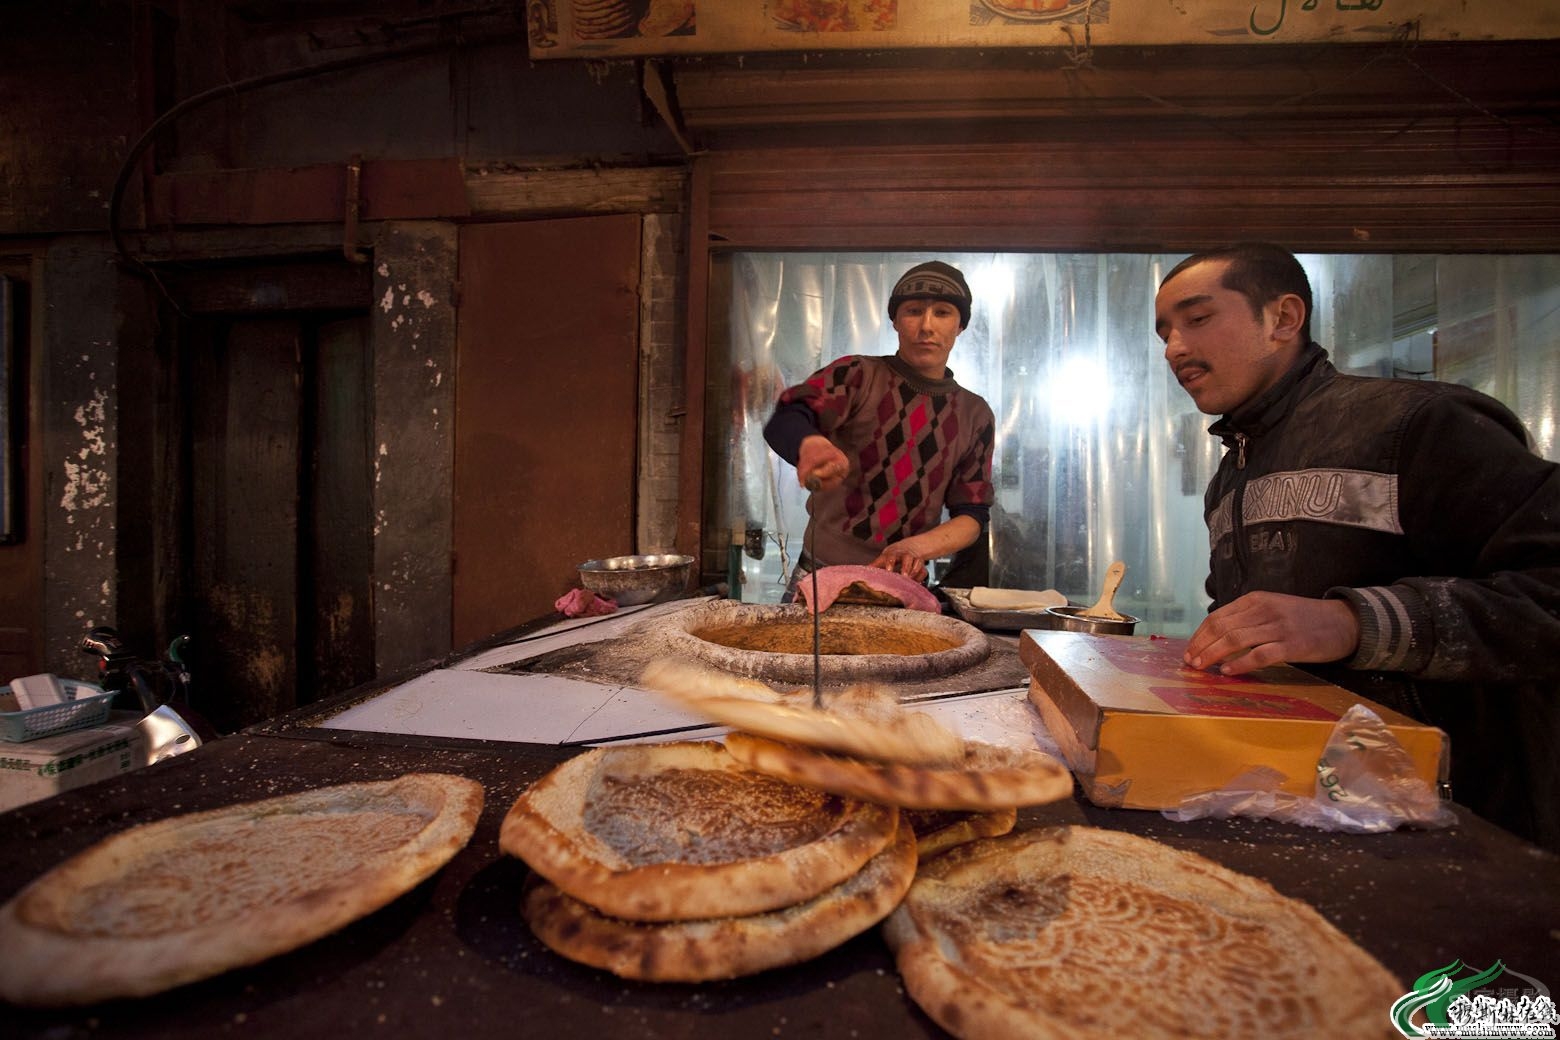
(1100, 455)
(1499, 331)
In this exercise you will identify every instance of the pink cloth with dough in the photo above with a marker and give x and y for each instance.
(583, 603)
(834, 580)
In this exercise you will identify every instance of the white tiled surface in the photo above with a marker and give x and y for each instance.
(465, 702)
(531, 708)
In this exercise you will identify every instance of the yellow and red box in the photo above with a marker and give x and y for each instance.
(1141, 730)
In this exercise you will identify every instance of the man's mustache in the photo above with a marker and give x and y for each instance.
(1186, 369)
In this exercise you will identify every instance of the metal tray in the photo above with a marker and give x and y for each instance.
(997, 620)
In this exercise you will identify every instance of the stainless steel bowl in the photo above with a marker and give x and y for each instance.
(627, 580)
(1071, 619)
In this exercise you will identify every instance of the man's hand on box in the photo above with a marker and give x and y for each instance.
(1263, 628)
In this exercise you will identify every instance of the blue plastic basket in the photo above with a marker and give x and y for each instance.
(85, 704)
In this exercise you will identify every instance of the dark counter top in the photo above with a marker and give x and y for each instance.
(453, 958)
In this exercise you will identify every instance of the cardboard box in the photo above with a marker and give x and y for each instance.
(1143, 731)
(46, 766)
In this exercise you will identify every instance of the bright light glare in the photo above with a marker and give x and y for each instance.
(1080, 392)
(991, 285)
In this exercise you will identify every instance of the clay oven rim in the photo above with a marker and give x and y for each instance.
(968, 646)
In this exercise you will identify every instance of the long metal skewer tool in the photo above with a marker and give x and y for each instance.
(813, 484)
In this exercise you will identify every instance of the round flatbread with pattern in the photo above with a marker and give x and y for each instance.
(1087, 934)
(726, 947)
(682, 831)
(191, 896)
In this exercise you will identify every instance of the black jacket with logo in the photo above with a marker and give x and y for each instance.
(1422, 505)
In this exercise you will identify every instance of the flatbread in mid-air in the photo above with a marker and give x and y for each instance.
(984, 778)
(191, 896)
(682, 831)
(1088, 934)
(861, 721)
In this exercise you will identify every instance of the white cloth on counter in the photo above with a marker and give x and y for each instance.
(1015, 599)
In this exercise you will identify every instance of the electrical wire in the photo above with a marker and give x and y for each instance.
(145, 141)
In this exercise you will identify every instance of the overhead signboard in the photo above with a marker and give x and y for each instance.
(648, 28)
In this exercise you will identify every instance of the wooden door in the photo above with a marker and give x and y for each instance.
(546, 403)
(246, 440)
(280, 589)
(336, 632)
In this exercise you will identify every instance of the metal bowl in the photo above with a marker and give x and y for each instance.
(627, 580)
(1071, 619)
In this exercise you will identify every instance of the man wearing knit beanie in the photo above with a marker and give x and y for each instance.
(890, 443)
(933, 280)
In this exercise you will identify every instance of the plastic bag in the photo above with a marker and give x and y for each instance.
(1365, 784)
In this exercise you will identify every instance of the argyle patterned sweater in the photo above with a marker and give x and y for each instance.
(915, 445)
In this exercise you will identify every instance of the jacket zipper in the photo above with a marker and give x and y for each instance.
(1237, 506)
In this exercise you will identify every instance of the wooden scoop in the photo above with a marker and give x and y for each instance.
(1102, 608)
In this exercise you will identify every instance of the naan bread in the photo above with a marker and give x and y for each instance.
(665, 17)
(986, 776)
(1015, 599)
(870, 586)
(677, 832)
(864, 721)
(1086, 934)
(192, 896)
(726, 947)
(938, 830)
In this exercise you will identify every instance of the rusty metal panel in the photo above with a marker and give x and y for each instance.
(390, 190)
(545, 412)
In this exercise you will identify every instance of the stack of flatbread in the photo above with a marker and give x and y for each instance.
(1091, 934)
(1060, 932)
(696, 860)
(191, 896)
(675, 863)
(862, 743)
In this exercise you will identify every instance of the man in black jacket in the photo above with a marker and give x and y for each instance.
(1396, 537)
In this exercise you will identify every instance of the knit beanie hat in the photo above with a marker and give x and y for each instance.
(932, 280)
